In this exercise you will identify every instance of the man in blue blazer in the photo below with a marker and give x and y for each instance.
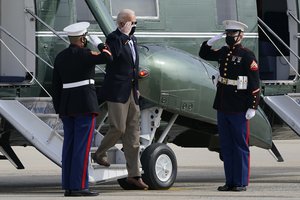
(120, 90)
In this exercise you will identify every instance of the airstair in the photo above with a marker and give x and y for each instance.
(36, 120)
(287, 108)
(284, 100)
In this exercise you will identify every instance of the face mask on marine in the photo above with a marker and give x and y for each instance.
(230, 40)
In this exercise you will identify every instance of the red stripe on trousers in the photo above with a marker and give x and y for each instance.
(87, 151)
(247, 140)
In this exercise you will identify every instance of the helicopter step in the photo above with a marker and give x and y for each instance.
(287, 107)
(36, 120)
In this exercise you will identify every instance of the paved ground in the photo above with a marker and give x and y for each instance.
(199, 174)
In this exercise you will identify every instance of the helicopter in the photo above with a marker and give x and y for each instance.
(175, 84)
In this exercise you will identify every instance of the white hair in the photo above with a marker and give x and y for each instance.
(123, 14)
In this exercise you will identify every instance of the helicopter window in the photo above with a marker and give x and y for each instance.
(226, 9)
(144, 9)
(83, 12)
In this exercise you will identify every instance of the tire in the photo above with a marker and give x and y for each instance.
(160, 166)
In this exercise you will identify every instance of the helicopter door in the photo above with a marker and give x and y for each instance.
(15, 61)
(274, 13)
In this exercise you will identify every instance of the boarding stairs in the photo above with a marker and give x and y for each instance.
(36, 120)
(287, 107)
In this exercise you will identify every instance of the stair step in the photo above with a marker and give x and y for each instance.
(111, 167)
(47, 115)
(114, 155)
(23, 99)
(38, 104)
(94, 149)
(51, 120)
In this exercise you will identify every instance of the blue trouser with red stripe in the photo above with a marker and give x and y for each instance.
(78, 134)
(234, 138)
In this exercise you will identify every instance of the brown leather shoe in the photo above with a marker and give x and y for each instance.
(138, 182)
(101, 161)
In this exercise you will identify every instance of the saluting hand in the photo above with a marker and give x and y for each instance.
(212, 40)
(94, 40)
(126, 28)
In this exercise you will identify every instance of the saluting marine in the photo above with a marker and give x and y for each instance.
(75, 100)
(237, 98)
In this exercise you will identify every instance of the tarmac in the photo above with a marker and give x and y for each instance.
(200, 172)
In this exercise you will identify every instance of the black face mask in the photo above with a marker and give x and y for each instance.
(132, 30)
(230, 40)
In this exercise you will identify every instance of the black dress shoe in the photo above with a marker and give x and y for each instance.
(224, 188)
(77, 193)
(67, 193)
(239, 189)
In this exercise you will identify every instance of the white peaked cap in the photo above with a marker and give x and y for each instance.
(77, 29)
(234, 25)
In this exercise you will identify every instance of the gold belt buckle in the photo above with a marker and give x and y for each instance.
(224, 81)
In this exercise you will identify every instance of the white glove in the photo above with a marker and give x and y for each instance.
(126, 28)
(215, 79)
(94, 40)
(250, 113)
(212, 40)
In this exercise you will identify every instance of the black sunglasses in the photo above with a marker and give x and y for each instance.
(132, 23)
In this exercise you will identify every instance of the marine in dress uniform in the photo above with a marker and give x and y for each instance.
(120, 90)
(237, 98)
(75, 101)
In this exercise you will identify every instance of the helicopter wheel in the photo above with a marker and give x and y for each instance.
(159, 165)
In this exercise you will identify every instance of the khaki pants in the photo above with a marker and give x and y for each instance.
(123, 124)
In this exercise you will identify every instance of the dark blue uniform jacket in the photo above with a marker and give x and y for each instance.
(71, 65)
(234, 62)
